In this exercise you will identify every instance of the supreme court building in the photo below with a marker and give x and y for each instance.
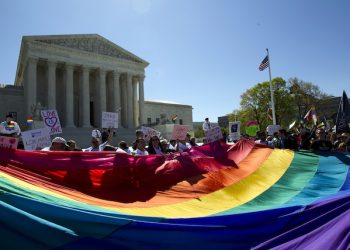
(81, 76)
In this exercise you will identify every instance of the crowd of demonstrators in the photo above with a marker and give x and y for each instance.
(156, 146)
(317, 139)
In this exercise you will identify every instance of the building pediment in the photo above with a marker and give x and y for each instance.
(90, 43)
(89, 46)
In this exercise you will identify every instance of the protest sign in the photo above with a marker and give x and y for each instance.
(51, 121)
(149, 133)
(252, 127)
(213, 134)
(180, 131)
(36, 139)
(271, 129)
(235, 130)
(109, 120)
(8, 142)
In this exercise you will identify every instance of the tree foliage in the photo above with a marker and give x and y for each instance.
(292, 101)
(256, 104)
(198, 132)
(305, 95)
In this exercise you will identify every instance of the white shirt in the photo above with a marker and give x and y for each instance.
(127, 151)
(171, 147)
(100, 148)
(91, 149)
(139, 152)
(206, 126)
(9, 129)
(184, 147)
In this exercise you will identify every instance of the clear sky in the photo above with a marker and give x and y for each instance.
(204, 53)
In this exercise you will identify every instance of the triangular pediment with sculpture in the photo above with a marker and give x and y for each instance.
(90, 43)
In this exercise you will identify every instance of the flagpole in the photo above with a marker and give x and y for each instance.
(271, 91)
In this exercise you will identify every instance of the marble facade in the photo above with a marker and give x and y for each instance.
(81, 76)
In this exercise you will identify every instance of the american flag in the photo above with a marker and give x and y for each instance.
(264, 64)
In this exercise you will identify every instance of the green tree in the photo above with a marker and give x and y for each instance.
(255, 103)
(305, 95)
(198, 132)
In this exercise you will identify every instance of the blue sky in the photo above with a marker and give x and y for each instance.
(204, 53)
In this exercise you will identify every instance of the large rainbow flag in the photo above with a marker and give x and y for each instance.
(217, 196)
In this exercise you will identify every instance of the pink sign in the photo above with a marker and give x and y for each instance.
(180, 131)
(8, 142)
(51, 121)
(213, 134)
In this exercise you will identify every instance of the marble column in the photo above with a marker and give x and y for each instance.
(30, 88)
(134, 99)
(69, 97)
(85, 98)
(141, 100)
(102, 95)
(51, 88)
(116, 96)
(129, 100)
(124, 103)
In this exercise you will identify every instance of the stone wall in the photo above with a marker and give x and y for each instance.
(12, 100)
(160, 113)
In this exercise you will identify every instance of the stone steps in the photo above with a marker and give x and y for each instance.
(83, 136)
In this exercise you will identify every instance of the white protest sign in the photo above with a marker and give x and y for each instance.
(149, 133)
(37, 138)
(271, 129)
(180, 132)
(235, 130)
(109, 120)
(213, 134)
(8, 142)
(51, 121)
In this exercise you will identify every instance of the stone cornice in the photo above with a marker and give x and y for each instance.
(88, 42)
(168, 104)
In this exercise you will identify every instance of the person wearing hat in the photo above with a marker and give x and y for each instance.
(165, 145)
(344, 143)
(10, 127)
(57, 144)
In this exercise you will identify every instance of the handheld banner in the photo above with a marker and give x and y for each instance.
(180, 132)
(149, 133)
(271, 129)
(235, 130)
(109, 120)
(51, 121)
(37, 138)
(252, 127)
(213, 134)
(8, 142)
